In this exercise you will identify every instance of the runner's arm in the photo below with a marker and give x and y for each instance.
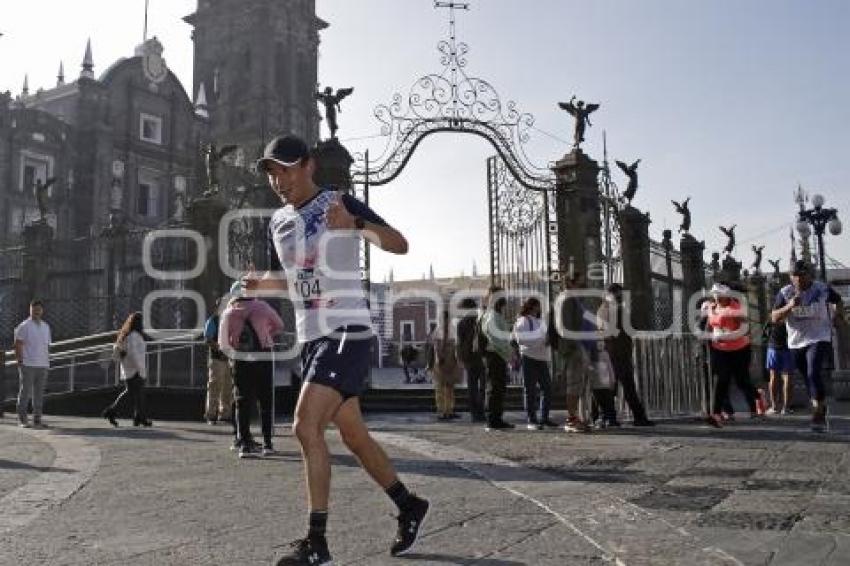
(385, 237)
(781, 309)
(375, 230)
(268, 281)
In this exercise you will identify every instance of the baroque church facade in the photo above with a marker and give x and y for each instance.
(124, 148)
(125, 144)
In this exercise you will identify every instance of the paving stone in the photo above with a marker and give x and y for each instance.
(749, 520)
(22, 457)
(781, 502)
(781, 485)
(725, 473)
(782, 474)
(682, 498)
(802, 548)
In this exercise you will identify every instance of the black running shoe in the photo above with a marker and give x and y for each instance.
(409, 525)
(500, 425)
(307, 552)
(109, 415)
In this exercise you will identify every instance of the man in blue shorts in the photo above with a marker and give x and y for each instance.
(779, 362)
(806, 306)
(315, 239)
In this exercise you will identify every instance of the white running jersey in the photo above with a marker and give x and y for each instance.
(322, 266)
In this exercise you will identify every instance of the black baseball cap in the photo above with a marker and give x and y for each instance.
(801, 267)
(284, 150)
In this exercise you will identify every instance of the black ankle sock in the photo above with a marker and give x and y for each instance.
(317, 524)
(399, 494)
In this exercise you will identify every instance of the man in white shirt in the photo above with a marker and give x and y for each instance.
(32, 350)
(809, 309)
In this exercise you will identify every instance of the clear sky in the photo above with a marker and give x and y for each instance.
(731, 102)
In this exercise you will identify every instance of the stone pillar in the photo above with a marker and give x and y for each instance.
(693, 271)
(333, 166)
(757, 287)
(37, 238)
(634, 246)
(730, 270)
(578, 209)
(205, 216)
(714, 266)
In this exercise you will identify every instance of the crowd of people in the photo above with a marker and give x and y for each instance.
(597, 362)
(485, 346)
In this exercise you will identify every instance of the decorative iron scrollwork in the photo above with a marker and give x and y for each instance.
(452, 101)
(520, 210)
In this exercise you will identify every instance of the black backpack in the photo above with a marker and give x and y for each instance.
(248, 341)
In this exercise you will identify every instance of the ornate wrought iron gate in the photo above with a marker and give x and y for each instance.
(521, 218)
(520, 247)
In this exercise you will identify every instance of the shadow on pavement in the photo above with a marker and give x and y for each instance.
(134, 433)
(449, 559)
(11, 465)
(764, 431)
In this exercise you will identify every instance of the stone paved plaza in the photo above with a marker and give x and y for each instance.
(84, 493)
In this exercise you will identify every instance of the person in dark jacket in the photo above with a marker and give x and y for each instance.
(497, 354)
(472, 360)
(619, 348)
(246, 333)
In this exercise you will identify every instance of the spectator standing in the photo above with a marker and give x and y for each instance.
(445, 367)
(494, 336)
(32, 351)
(620, 348)
(472, 359)
(578, 356)
(531, 334)
(219, 401)
(246, 333)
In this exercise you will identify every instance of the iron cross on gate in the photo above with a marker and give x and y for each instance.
(452, 6)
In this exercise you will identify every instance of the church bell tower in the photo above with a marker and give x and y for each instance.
(255, 70)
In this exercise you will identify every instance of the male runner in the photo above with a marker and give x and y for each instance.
(809, 308)
(315, 237)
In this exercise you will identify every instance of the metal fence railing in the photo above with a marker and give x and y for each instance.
(673, 375)
(672, 372)
(171, 363)
(175, 363)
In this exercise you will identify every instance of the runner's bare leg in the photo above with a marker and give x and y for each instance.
(315, 410)
(356, 436)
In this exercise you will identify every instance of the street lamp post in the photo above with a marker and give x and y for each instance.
(819, 218)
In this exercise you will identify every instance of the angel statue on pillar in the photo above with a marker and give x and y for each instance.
(682, 208)
(581, 113)
(759, 251)
(630, 172)
(730, 233)
(331, 101)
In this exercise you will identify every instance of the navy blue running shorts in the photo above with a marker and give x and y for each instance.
(338, 361)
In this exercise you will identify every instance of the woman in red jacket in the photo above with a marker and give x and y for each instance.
(730, 350)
